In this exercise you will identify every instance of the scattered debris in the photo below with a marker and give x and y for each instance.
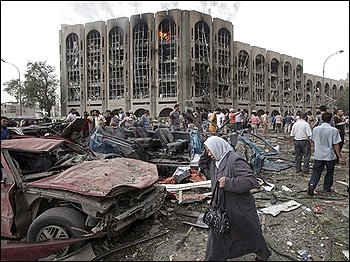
(285, 188)
(199, 222)
(182, 240)
(276, 209)
(304, 255)
(172, 188)
(319, 209)
(126, 245)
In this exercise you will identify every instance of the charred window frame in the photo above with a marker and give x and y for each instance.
(116, 64)
(93, 52)
(287, 76)
(243, 68)
(260, 78)
(167, 59)
(298, 91)
(202, 59)
(308, 91)
(141, 61)
(318, 96)
(334, 91)
(72, 69)
(274, 80)
(222, 59)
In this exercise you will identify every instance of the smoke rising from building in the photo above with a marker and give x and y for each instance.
(84, 12)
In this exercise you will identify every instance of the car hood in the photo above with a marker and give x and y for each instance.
(102, 177)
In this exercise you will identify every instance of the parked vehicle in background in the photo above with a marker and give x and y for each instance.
(52, 188)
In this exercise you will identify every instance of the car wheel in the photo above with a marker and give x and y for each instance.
(58, 222)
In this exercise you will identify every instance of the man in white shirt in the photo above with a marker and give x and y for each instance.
(99, 119)
(220, 118)
(265, 122)
(326, 140)
(239, 119)
(71, 115)
(301, 131)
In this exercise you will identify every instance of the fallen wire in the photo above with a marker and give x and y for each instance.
(126, 245)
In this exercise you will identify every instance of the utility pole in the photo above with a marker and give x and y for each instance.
(19, 86)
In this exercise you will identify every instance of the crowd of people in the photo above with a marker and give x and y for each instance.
(206, 120)
(324, 134)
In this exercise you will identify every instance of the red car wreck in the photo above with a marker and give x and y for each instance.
(55, 189)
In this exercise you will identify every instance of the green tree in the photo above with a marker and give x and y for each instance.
(343, 101)
(12, 88)
(40, 86)
(39, 89)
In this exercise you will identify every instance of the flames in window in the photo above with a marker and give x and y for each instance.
(164, 35)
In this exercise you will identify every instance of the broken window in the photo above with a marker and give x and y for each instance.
(326, 89)
(222, 58)
(93, 54)
(308, 91)
(318, 92)
(116, 63)
(243, 91)
(202, 58)
(298, 87)
(287, 75)
(260, 78)
(141, 56)
(167, 59)
(334, 91)
(73, 71)
(274, 80)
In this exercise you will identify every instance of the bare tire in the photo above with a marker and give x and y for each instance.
(58, 223)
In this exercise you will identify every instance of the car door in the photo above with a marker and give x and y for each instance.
(7, 185)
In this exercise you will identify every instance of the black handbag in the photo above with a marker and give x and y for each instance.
(215, 216)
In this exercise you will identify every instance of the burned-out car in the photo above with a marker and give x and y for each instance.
(163, 147)
(52, 188)
(70, 131)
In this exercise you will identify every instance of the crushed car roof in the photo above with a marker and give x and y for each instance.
(33, 144)
(103, 177)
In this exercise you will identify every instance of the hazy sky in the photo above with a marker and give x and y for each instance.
(310, 31)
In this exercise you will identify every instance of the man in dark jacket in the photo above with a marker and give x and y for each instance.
(5, 134)
(235, 179)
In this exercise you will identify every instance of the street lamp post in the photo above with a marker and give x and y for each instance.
(19, 84)
(338, 52)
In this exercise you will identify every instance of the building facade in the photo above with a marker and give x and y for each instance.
(156, 60)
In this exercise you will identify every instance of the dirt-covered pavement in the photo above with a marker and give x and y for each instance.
(316, 230)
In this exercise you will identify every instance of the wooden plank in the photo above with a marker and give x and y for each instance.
(187, 186)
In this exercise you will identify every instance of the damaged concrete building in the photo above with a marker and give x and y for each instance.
(156, 60)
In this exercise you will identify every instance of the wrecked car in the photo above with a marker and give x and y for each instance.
(52, 188)
(70, 131)
(165, 148)
(33, 130)
(258, 151)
